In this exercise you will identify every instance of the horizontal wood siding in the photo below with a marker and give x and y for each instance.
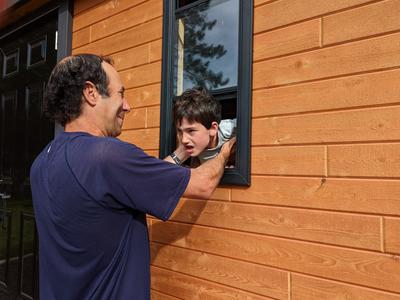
(321, 219)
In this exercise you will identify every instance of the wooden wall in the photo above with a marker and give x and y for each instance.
(321, 219)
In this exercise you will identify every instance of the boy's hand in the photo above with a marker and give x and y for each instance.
(228, 149)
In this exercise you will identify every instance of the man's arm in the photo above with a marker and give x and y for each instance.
(205, 178)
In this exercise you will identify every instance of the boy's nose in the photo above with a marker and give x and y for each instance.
(185, 139)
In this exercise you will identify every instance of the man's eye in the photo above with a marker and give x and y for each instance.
(122, 93)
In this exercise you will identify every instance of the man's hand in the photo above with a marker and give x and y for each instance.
(228, 149)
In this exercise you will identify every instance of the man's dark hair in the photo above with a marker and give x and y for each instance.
(197, 105)
(63, 95)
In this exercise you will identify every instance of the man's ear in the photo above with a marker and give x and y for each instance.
(90, 93)
(213, 129)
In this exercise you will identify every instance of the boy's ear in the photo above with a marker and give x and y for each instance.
(90, 93)
(213, 129)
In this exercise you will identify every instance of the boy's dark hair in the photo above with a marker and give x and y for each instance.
(197, 105)
(63, 95)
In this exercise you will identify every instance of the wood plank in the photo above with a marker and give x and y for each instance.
(160, 296)
(376, 18)
(127, 39)
(103, 10)
(142, 75)
(80, 6)
(155, 50)
(80, 38)
(144, 96)
(352, 195)
(377, 160)
(353, 91)
(188, 287)
(362, 56)
(259, 2)
(371, 124)
(283, 12)
(291, 39)
(392, 235)
(135, 119)
(132, 57)
(153, 116)
(236, 274)
(147, 139)
(305, 160)
(127, 19)
(359, 267)
(342, 229)
(305, 287)
(221, 194)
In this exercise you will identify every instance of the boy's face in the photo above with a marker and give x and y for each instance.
(194, 137)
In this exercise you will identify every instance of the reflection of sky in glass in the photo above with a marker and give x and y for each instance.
(225, 33)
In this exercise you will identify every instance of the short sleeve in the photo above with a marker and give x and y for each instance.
(120, 175)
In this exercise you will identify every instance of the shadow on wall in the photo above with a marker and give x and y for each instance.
(186, 211)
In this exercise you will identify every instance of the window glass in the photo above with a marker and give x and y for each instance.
(206, 46)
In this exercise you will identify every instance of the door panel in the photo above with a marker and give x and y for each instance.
(26, 61)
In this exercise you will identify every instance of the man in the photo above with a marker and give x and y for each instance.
(200, 130)
(91, 191)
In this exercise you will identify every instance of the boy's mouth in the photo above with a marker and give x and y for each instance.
(189, 148)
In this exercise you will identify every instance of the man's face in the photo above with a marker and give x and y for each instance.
(195, 137)
(113, 108)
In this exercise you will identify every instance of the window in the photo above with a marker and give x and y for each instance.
(209, 43)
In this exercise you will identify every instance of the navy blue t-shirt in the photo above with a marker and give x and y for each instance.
(91, 196)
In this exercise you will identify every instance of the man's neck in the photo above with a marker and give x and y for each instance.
(83, 125)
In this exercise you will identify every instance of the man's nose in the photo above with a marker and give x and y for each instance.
(125, 106)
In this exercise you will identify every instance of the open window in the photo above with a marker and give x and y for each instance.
(209, 43)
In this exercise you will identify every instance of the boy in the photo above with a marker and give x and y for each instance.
(200, 131)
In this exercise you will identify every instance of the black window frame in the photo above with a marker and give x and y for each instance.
(240, 174)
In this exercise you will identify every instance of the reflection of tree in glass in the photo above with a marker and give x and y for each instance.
(197, 54)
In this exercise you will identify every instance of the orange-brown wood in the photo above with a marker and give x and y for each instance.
(305, 287)
(143, 75)
(378, 88)
(283, 12)
(144, 96)
(129, 18)
(370, 269)
(372, 124)
(161, 296)
(392, 235)
(127, 39)
(362, 22)
(351, 230)
(291, 39)
(135, 119)
(302, 160)
(147, 139)
(352, 195)
(361, 56)
(377, 160)
(101, 11)
(188, 287)
(233, 273)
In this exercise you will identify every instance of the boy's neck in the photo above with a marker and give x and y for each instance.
(213, 142)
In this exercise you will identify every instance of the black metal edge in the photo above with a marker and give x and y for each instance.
(240, 175)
